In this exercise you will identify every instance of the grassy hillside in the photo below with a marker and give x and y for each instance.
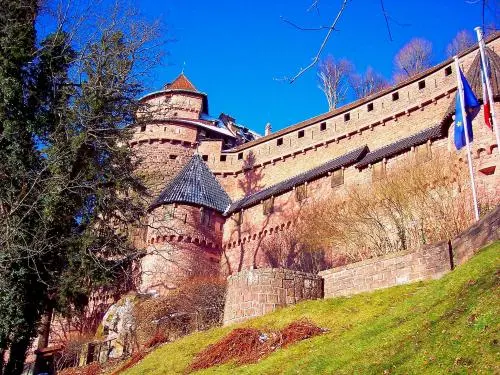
(447, 326)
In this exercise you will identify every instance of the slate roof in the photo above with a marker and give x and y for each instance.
(181, 83)
(401, 145)
(281, 187)
(194, 185)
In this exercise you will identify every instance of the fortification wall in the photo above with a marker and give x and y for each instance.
(254, 293)
(430, 262)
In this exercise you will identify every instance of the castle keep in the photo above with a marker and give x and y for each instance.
(221, 191)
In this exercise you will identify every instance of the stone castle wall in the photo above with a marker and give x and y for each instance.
(430, 262)
(257, 292)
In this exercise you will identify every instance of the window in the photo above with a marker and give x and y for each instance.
(369, 107)
(238, 218)
(204, 157)
(223, 158)
(378, 171)
(206, 217)
(421, 84)
(279, 141)
(337, 178)
(267, 206)
(300, 134)
(169, 213)
(143, 128)
(301, 192)
(240, 156)
(347, 117)
(395, 96)
(322, 126)
(172, 157)
(423, 152)
(447, 71)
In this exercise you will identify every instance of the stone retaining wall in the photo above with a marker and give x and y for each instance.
(430, 262)
(256, 292)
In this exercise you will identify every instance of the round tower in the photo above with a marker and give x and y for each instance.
(184, 234)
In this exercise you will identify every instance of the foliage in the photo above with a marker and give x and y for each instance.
(367, 83)
(418, 202)
(433, 327)
(68, 194)
(460, 43)
(412, 59)
(333, 77)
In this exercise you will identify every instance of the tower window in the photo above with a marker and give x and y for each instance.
(337, 178)
(369, 107)
(268, 206)
(322, 126)
(172, 157)
(301, 192)
(223, 158)
(204, 157)
(347, 117)
(240, 156)
(300, 134)
(421, 84)
(447, 71)
(279, 141)
(395, 96)
(143, 128)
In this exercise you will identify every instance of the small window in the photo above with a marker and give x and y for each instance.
(337, 178)
(279, 141)
(347, 117)
(267, 206)
(223, 158)
(322, 126)
(421, 84)
(395, 96)
(369, 107)
(238, 218)
(172, 157)
(301, 192)
(447, 71)
(169, 213)
(240, 156)
(143, 128)
(206, 217)
(204, 157)
(300, 134)
(378, 171)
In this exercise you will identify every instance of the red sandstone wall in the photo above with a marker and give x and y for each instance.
(257, 292)
(430, 262)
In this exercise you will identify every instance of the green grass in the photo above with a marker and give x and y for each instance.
(446, 326)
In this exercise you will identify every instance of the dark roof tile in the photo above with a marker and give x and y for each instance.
(195, 185)
(281, 187)
(401, 145)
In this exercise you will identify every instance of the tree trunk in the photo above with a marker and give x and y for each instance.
(43, 341)
(17, 355)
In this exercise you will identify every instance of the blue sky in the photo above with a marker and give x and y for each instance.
(236, 51)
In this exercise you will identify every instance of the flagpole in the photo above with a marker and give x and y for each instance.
(466, 130)
(488, 85)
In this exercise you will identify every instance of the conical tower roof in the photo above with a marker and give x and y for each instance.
(181, 83)
(195, 185)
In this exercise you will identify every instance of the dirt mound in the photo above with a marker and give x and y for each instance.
(248, 345)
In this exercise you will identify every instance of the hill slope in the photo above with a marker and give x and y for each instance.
(449, 325)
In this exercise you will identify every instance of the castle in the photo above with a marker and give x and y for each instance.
(220, 190)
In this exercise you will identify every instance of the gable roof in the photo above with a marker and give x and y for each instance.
(401, 145)
(194, 185)
(473, 76)
(281, 187)
(181, 83)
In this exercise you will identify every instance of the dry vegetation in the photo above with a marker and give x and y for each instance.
(416, 204)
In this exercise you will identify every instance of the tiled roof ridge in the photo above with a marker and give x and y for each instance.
(195, 185)
(401, 145)
(361, 101)
(346, 159)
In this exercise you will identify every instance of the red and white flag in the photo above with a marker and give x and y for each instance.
(486, 101)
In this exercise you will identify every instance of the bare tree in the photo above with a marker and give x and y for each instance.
(461, 42)
(368, 83)
(333, 79)
(412, 59)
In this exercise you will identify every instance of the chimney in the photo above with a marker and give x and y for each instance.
(268, 129)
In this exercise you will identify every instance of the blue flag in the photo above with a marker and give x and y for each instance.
(472, 107)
